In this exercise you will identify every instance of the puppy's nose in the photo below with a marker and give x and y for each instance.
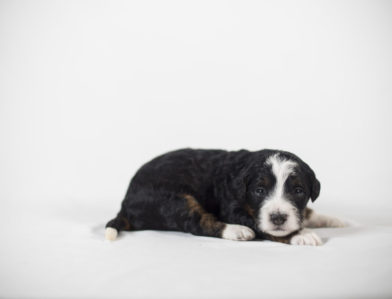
(278, 218)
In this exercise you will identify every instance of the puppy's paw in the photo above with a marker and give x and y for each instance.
(335, 222)
(237, 232)
(111, 234)
(320, 220)
(306, 237)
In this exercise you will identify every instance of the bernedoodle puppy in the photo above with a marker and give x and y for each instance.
(235, 195)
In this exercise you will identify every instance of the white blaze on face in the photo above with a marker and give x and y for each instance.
(276, 201)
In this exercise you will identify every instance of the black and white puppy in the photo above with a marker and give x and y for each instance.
(237, 195)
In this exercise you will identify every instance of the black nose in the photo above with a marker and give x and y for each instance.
(278, 218)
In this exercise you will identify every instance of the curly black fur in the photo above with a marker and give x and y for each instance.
(199, 191)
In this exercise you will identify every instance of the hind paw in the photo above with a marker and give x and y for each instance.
(111, 234)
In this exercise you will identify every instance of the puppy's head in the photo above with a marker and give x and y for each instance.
(278, 190)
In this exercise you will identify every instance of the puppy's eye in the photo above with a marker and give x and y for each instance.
(299, 191)
(260, 191)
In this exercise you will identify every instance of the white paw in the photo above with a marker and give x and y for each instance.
(320, 220)
(237, 232)
(306, 237)
(335, 222)
(110, 234)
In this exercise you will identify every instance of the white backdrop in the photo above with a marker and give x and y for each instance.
(91, 90)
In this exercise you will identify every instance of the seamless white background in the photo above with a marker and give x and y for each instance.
(91, 90)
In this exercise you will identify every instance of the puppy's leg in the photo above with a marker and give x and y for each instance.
(200, 222)
(114, 226)
(315, 220)
(302, 237)
(306, 237)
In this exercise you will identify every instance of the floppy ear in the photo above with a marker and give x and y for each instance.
(315, 188)
(314, 183)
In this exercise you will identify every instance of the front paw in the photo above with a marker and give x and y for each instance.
(306, 237)
(237, 232)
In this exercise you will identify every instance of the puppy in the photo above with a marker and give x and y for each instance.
(236, 195)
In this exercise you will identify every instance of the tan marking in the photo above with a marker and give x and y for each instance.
(207, 221)
(307, 213)
(250, 211)
(285, 239)
(193, 204)
(279, 239)
(126, 225)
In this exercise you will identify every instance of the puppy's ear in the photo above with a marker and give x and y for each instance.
(315, 189)
(314, 184)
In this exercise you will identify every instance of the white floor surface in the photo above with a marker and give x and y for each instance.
(52, 251)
